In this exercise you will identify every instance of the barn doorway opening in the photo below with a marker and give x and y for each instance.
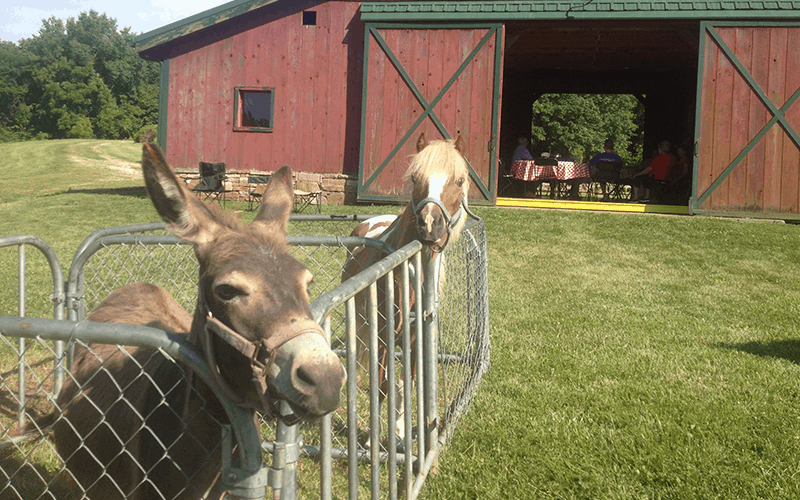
(654, 62)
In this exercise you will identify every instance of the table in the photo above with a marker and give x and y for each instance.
(527, 170)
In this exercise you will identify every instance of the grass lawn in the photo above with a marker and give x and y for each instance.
(633, 356)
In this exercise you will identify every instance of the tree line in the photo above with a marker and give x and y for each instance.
(77, 79)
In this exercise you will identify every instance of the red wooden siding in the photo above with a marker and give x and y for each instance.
(313, 70)
(430, 57)
(766, 180)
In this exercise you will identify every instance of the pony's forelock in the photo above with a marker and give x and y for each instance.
(438, 156)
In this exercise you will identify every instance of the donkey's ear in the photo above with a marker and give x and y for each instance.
(185, 215)
(277, 200)
(461, 145)
(421, 142)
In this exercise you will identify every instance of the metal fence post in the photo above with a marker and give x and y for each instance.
(430, 298)
(21, 341)
(288, 436)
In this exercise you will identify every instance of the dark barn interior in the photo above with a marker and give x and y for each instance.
(653, 60)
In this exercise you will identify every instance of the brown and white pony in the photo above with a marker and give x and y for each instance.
(131, 423)
(438, 177)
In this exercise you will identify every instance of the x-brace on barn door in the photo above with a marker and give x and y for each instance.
(748, 148)
(443, 80)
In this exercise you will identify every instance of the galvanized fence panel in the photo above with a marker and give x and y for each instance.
(340, 462)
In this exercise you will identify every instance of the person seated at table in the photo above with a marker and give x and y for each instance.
(654, 174)
(678, 180)
(545, 159)
(605, 175)
(522, 153)
(574, 184)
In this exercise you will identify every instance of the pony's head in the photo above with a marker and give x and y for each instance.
(440, 181)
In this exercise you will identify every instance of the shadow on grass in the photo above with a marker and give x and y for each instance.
(783, 349)
(135, 191)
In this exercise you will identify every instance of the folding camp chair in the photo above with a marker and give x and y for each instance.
(505, 181)
(607, 172)
(254, 196)
(212, 181)
(305, 199)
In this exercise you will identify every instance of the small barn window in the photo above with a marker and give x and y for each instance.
(309, 18)
(254, 109)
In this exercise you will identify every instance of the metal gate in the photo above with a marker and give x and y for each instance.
(443, 80)
(748, 154)
(337, 459)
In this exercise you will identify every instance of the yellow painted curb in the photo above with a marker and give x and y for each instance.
(592, 205)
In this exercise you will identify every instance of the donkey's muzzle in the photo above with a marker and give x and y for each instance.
(308, 374)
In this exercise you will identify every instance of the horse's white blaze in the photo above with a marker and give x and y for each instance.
(436, 185)
(435, 190)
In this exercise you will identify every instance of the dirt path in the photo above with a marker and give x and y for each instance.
(119, 169)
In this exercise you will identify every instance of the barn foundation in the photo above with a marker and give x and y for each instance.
(336, 189)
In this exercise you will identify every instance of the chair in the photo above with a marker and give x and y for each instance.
(254, 196)
(212, 181)
(505, 181)
(305, 199)
(553, 182)
(607, 172)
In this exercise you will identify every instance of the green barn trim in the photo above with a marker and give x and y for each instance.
(560, 10)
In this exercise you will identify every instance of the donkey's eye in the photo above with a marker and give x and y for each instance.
(227, 292)
(460, 182)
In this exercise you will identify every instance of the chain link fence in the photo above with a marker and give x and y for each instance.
(330, 459)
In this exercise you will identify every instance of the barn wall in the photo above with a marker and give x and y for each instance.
(314, 70)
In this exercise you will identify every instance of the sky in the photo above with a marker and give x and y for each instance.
(23, 18)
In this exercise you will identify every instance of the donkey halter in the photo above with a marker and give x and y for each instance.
(251, 349)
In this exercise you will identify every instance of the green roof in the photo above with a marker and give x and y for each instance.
(198, 22)
(499, 10)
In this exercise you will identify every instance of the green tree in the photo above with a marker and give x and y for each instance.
(15, 69)
(78, 79)
(582, 122)
(72, 99)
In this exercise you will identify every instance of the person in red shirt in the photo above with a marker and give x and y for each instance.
(653, 174)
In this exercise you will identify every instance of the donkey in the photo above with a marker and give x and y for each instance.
(132, 423)
(439, 179)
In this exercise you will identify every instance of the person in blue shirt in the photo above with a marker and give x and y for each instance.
(608, 155)
(522, 153)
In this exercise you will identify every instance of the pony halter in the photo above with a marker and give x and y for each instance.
(450, 221)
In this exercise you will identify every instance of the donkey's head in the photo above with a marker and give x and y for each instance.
(253, 318)
(440, 179)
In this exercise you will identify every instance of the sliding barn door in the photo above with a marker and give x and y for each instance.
(443, 81)
(748, 154)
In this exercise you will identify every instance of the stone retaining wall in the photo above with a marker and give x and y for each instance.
(336, 189)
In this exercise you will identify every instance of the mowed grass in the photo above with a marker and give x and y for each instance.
(633, 356)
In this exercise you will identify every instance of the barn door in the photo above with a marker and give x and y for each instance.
(444, 81)
(748, 150)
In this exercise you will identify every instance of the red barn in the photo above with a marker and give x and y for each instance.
(341, 89)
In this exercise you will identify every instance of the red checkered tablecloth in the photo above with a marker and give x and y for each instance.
(530, 171)
(565, 170)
